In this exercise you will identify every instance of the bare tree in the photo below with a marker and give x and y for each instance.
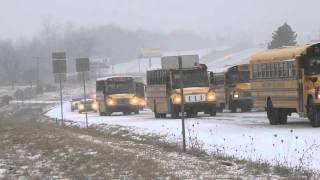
(9, 61)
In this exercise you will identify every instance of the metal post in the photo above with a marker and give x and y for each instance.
(37, 75)
(139, 64)
(150, 63)
(182, 105)
(61, 103)
(85, 96)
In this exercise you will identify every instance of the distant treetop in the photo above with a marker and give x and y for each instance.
(283, 36)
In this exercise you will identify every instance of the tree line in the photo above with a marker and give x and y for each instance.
(18, 58)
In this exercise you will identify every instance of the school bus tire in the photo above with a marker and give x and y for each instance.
(107, 113)
(126, 112)
(283, 116)
(233, 107)
(272, 113)
(309, 108)
(157, 115)
(163, 115)
(213, 112)
(191, 114)
(160, 115)
(174, 111)
(315, 120)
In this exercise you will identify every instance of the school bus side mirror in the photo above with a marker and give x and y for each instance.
(313, 79)
(211, 77)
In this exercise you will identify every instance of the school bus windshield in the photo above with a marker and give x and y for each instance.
(191, 78)
(119, 87)
(312, 66)
(233, 77)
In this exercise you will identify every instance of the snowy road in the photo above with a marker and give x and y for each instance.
(242, 135)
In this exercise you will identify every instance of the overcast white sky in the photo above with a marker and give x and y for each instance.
(205, 17)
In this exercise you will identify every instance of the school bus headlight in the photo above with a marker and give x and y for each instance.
(236, 95)
(318, 93)
(134, 101)
(211, 96)
(176, 99)
(142, 103)
(111, 102)
(95, 106)
(81, 107)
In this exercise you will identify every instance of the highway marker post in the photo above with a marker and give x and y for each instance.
(59, 68)
(83, 66)
(182, 105)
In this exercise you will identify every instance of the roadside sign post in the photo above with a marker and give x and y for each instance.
(83, 66)
(182, 105)
(61, 103)
(85, 96)
(59, 66)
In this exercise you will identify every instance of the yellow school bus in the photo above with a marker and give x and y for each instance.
(238, 89)
(218, 85)
(120, 94)
(287, 80)
(163, 92)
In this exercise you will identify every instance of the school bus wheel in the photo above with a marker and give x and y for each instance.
(283, 116)
(174, 112)
(160, 115)
(136, 111)
(315, 116)
(213, 112)
(309, 107)
(192, 114)
(272, 113)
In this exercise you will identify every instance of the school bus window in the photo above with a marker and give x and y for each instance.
(262, 71)
(280, 70)
(273, 67)
(294, 71)
(269, 73)
(265, 70)
(290, 69)
(285, 69)
(255, 69)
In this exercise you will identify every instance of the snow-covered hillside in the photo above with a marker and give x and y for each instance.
(217, 59)
(134, 67)
(231, 59)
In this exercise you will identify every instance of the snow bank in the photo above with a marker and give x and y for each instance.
(242, 135)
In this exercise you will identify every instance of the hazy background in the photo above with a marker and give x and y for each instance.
(208, 18)
(115, 29)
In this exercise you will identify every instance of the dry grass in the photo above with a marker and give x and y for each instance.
(44, 150)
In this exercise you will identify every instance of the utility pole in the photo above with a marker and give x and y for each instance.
(61, 100)
(85, 96)
(182, 105)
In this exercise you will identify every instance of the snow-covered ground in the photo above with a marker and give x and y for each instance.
(242, 135)
(235, 58)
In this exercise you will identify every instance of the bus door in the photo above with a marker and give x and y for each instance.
(300, 80)
(100, 94)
